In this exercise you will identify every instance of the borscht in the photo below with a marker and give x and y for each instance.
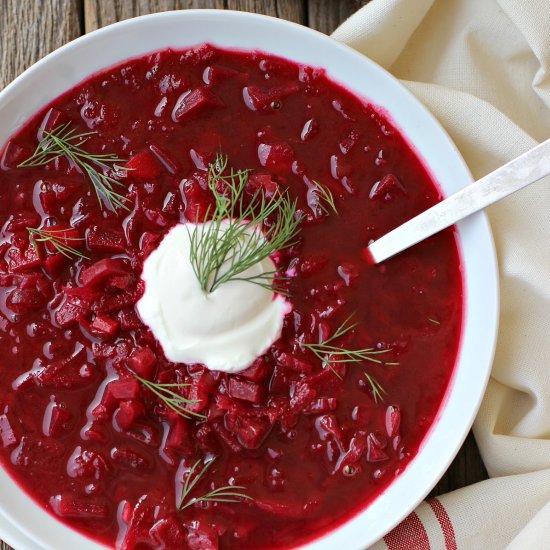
(197, 351)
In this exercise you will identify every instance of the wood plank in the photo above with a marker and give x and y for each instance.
(98, 13)
(31, 29)
(326, 15)
(467, 468)
(292, 10)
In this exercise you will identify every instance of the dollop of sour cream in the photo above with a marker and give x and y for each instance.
(225, 329)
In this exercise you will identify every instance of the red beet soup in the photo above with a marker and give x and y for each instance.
(306, 441)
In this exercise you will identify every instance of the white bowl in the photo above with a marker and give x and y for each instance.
(74, 62)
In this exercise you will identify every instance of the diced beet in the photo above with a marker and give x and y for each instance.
(21, 260)
(68, 506)
(143, 166)
(351, 457)
(199, 391)
(7, 435)
(128, 412)
(168, 160)
(214, 74)
(303, 395)
(53, 119)
(259, 370)
(202, 536)
(56, 420)
(19, 221)
(310, 129)
(142, 361)
(87, 464)
(49, 201)
(140, 518)
(70, 372)
(156, 217)
(69, 314)
(128, 458)
(196, 199)
(339, 168)
(9, 279)
(289, 420)
(65, 191)
(393, 420)
(148, 242)
(348, 272)
(101, 270)
(125, 388)
(206, 439)
(251, 432)
(167, 533)
(54, 264)
(180, 435)
(171, 205)
(201, 158)
(13, 156)
(263, 183)
(288, 361)
(106, 405)
(246, 390)
(129, 320)
(321, 405)
(374, 450)
(262, 98)
(387, 188)
(100, 240)
(21, 300)
(226, 436)
(328, 424)
(278, 157)
(104, 326)
(195, 101)
(348, 141)
(109, 303)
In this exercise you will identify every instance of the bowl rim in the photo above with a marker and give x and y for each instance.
(35, 522)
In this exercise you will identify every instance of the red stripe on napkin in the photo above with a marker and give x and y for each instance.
(408, 535)
(444, 522)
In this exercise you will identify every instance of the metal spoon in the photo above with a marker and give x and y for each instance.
(513, 176)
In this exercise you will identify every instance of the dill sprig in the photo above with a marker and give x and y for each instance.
(325, 198)
(63, 141)
(329, 352)
(228, 493)
(58, 239)
(170, 398)
(237, 236)
(378, 391)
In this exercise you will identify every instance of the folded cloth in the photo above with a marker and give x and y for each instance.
(483, 68)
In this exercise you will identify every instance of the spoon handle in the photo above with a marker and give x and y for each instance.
(513, 176)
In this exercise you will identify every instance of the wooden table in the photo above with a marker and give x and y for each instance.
(29, 29)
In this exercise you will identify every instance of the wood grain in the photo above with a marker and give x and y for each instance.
(98, 13)
(467, 468)
(326, 15)
(292, 10)
(30, 29)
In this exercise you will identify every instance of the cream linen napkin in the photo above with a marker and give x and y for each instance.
(483, 68)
